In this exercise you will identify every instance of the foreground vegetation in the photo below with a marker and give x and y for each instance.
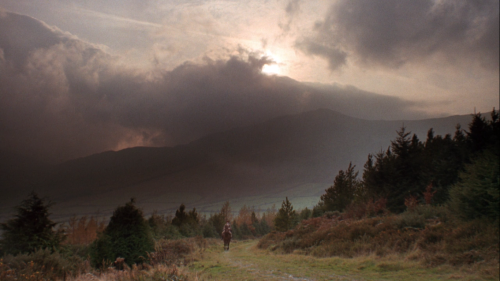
(246, 261)
(205, 259)
(428, 236)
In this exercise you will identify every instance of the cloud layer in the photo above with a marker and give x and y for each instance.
(61, 97)
(393, 33)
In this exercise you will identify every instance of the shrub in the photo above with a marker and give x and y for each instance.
(421, 215)
(177, 252)
(209, 231)
(42, 265)
(369, 208)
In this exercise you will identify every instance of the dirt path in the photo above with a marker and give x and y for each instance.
(243, 256)
(245, 262)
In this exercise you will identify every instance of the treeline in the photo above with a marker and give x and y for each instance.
(128, 234)
(247, 224)
(460, 171)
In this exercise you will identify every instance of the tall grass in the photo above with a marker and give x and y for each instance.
(427, 234)
(42, 265)
(166, 263)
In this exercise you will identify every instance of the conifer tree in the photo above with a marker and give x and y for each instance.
(127, 235)
(342, 193)
(217, 221)
(180, 216)
(32, 229)
(286, 218)
(397, 173)
(305, 214)
(477, 194)
(408, 166)
(264, 227)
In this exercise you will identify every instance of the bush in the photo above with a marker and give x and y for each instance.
(177, 252)
(42, 265)
(422, 215)
(127, 236)
(428, 234)
(209, 231)
(369, 208)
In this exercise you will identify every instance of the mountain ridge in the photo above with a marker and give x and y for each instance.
(298, 154)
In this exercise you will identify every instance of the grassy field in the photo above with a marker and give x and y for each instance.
(199, 259)
(244, 261)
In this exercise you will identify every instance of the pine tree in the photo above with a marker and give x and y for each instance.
(31, 229)
(442, 164)
(180, 216)
(127, 235)
(264, 226)
(255, 224)
(477, 194)
(341, 194)
(305, 214)
(286, 218)
(217, 221)
(397, 173)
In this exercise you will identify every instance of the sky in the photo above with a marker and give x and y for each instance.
(81, 77)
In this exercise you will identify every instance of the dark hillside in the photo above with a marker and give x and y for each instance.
(298, 155)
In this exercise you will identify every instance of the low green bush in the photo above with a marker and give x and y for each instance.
(43, 265)
(422, 215)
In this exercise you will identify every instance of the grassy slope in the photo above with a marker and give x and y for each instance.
(245, 261)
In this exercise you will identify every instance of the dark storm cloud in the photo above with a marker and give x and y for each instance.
(62, 98)
(18, 38)
(391, 33)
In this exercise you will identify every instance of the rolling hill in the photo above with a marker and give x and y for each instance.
(296, 156)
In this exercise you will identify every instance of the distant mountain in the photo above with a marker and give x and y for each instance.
(296, 156)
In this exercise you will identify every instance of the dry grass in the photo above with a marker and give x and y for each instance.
(178, 252)
(151, 273)
(41, 265)
(167, 263)
(426, 235)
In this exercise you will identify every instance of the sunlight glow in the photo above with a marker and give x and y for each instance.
(271, 69)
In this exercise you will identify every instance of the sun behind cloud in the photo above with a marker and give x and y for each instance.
(271, 69)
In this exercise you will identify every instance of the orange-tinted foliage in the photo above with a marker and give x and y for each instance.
(456, 243)
(83, 230)
(428, 194)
